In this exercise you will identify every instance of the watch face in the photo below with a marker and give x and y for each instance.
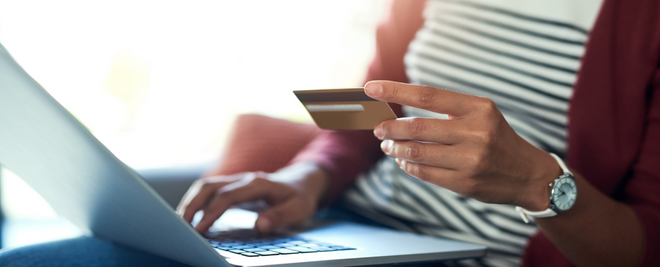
(564, 193)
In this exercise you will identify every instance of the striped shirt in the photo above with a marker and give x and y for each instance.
(524, 55)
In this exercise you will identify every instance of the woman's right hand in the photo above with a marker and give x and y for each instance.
(292, 194)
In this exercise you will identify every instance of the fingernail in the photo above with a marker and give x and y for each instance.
(386, 146)
(373, 89)
(263, 224)
(378, 132)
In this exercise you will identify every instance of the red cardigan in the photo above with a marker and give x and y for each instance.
(614, 116)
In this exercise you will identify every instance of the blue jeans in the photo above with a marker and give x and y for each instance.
(95, 252)
(81, 252)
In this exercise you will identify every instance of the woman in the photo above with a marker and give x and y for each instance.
(520, 95)
(525, 57)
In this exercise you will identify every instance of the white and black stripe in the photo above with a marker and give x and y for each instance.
(526, 64)
(524, 55)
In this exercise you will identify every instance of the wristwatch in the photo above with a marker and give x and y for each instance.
(562, 196)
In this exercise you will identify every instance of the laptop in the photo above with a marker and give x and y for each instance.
(85, 183)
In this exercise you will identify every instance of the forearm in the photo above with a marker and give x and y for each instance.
(308, 177)
(476, 154)
(596, 231)
(342, 155)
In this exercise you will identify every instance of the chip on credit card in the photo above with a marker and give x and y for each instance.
(344, 109)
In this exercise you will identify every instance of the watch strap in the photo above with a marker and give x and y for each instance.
(527, 215)
(562, 165)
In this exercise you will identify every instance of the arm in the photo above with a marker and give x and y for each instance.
(476, 154)
(597, 230)
(344, 154)
(617, 233)
(325, 166)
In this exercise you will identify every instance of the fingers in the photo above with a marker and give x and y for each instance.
(432, 130)
(437, 155)
(449, 179)
(248, 190)
(214, 195)
(420, 96)
(199, 194)
(292, 212)
(193, 201)
(438, 176)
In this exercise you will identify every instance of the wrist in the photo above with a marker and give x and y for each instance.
(316, 181)
(537, 195)
(307, 177)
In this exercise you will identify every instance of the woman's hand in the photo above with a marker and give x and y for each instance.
(474, 153)
(292, 194)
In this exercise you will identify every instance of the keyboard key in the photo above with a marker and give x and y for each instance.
(284, 251)
(226, 254)
(248, 254)
(341, 248)
(302, 249)
(232, 244)
(252, 244)
(242, 247)
(267, 253)
(324, 249)
(269, 247)
(283, 240)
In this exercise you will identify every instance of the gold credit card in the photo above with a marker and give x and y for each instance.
(344, 109)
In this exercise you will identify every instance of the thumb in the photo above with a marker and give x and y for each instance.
(291, 212)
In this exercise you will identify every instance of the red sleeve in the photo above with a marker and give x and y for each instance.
(345, 154)
(614, 121)
(643, 189)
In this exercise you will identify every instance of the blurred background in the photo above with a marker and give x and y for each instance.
(160, 82)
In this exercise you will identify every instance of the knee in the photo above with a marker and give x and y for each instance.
(56, 253)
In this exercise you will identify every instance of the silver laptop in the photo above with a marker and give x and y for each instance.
(85, 183)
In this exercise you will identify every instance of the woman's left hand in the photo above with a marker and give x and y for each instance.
(474, 153)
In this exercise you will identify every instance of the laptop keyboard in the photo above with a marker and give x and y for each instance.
(249, 243)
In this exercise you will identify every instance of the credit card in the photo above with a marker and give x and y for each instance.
(344, 109)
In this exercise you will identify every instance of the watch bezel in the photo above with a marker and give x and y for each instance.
(553, 210)
(553, 206)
